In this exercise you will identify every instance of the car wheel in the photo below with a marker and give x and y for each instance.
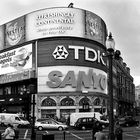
(40, 128)
(83, 127)
(60, 128)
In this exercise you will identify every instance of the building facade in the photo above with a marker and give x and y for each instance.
(60, 52)
(124, 89)
(137, 99)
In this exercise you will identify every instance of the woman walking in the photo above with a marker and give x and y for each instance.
(9, 133)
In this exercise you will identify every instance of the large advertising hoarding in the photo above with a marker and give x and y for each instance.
(73, 22)
(1, 37)
(15, 32)
(55, 22)
(16, 60)
(71, 78)
(71, 65)
(70, 52)
(12, 77)
(95, 28)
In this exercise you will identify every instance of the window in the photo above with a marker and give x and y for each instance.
(84, 120)
(97, 102)
(16, 118)
(84, 101)
(67, 102)
(48, 102)
(90, 119)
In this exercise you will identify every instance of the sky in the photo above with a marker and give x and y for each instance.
(122, 18)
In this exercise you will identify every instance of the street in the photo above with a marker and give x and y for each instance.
(130, 133)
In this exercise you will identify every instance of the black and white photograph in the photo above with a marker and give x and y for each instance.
(69, 70)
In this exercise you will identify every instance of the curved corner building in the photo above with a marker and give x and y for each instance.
(59, 51)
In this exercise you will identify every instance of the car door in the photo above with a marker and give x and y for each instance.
(52, 124)
(83, 123)
(90, 122)
(45, 124)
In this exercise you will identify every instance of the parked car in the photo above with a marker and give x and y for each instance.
(88, 122)
(50, 124)
(128, 121)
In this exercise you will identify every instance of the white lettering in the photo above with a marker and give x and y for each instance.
(87, 57)
(76, 50)
(90, 54)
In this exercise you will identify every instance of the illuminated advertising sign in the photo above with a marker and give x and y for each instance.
(2, 37)
(55, 22)
(71, 78)
(95, 27)
(16, 60)
(12, 77)
(15, 32)
(70, 52)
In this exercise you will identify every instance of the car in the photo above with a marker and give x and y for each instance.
(42, 119)
(88, 122)
(127, 121)
(50, 124)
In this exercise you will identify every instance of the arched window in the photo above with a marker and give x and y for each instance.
(48, 102)
(67, 102)
(84, 101)
(97, 102)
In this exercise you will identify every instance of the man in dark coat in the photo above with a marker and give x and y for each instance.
(118, 132)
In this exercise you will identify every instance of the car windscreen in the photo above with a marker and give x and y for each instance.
(22, 118)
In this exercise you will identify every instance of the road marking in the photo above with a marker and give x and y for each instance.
(76, 136)
(131, 135)
(25, 135)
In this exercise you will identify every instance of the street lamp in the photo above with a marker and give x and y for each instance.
(111, 54)
(32, 90)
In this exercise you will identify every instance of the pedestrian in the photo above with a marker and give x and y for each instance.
(16, 132)
(94, 130)
(100, 135)
(9, 133)
(68, 121)
(118, 132)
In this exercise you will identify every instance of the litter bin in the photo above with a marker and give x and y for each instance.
(48, 137)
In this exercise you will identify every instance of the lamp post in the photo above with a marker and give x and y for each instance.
(33, 92)
(111, 54)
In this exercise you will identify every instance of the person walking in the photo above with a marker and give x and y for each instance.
(95, 128)
(9, 133)
(16, 132)
(100, 135)
(118, 132)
